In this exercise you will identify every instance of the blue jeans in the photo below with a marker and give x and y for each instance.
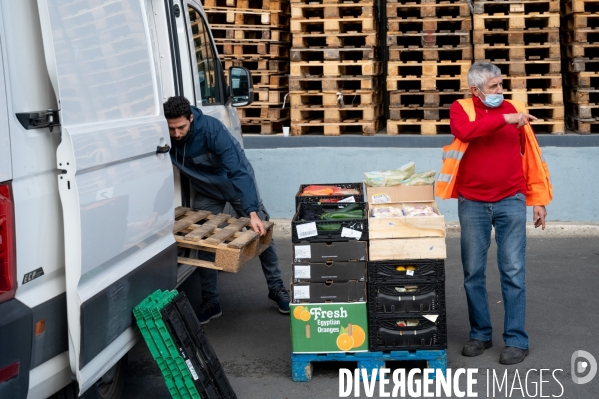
(268, 258)
(508, 216)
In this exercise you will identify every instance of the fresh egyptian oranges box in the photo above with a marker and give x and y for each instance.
(329, 327)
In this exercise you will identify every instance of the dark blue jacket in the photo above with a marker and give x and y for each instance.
(215, 162)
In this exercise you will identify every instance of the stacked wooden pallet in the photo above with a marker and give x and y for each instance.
(430, 53)
(255, 34)
(521, 37)
(580, 51)
(335, 81)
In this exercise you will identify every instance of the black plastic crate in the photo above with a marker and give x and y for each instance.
(401, 270)
(385, 334)
(429, 297)
(360, 225)
(314, 199)
(192, 334)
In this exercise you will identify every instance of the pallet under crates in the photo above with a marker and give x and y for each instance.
(177, 342)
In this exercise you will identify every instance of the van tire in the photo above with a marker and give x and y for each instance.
(100, 390)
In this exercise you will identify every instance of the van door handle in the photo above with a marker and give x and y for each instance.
(163, 149)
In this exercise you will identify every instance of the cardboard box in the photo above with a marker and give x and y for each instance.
(394, 194)
(406, 226)
(347, 291)
(320, 252)
(325, 328)
(408, 248)
(330, 271)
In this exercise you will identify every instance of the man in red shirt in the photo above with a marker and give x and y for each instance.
(492, 187)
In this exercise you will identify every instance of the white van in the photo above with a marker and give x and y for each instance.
(83, 162)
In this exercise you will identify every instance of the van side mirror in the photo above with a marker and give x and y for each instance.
(241, 86)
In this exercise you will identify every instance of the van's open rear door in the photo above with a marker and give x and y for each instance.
(116, 185)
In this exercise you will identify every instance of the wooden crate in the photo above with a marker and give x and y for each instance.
(220, 234)
(407, 248)
(406, 226)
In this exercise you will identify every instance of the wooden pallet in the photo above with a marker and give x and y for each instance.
(341, 54)
(581, 6)
(406, 25)
(428, 83)
(583, 126)
(252, 50)
(553, 96)
(529, 67)
(429, 39)
(348, 114)
(272, 5)
(334, 25)
(581, 50)
(299, 2)
(357, 40)
(343, 84)
(418, 113)
(581, 35)
(516, 21)
(269, 97)
(547, 112)
(336, 68)
(362, 9)
(257, 64)
(485, 52)
(267, 80)
(418, 126)
(221, 234)
(515, 6)
(582, 79)
(236, 16)
(265, 113)
(426, 99)
(583, 111)
(226, 33)
(336, 129)
(582, 65)
(548, 127)
(263, 127)
(331, 99)
(302, 364)
(515, 37)
(582, 96)
(428, 9)
(430, 54)
(532, 82)
(428, 68)
(581, 20)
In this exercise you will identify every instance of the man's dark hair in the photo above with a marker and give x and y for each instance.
(176, 107)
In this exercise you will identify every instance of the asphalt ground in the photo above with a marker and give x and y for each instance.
(252, 340)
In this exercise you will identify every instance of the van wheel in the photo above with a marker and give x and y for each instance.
(111, 385)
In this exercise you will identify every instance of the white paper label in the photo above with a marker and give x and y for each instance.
(381, 199)
(306, 230)
(409, 272)
(191, 369)
(302, 271)
(431, 317)
(351, 233)
(303, 252)
(301, 292)
(348, 199)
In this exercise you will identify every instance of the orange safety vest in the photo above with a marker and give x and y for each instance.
(539, 190)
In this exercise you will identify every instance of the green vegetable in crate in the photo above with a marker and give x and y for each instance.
(329, 227)
(349, 212)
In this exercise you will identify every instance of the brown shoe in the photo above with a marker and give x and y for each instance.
(475, 347)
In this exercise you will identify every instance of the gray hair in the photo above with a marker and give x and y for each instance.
(480, 72)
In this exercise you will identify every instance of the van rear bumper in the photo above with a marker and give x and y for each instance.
(16, 329)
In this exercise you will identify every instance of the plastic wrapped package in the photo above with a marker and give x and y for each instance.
(387, 212)
(420, 179)
(419, 210)
(387, 178)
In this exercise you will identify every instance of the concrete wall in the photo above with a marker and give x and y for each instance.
(280, 171)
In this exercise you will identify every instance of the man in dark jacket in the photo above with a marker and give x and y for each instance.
(206, 152)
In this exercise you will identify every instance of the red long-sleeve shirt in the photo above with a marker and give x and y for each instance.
(491, 168)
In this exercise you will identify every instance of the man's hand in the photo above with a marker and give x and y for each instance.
(257, 224)
(520, 119)
(538, 215)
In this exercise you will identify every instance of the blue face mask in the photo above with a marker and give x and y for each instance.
(492, 100)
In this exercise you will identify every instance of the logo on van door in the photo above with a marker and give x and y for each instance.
(33, 275)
